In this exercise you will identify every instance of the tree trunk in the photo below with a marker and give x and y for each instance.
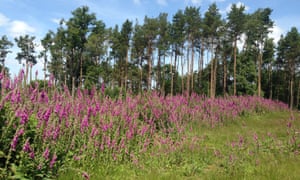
(291, 93)
(30, 72)
(259, 74)
(182, 81)
(224, 75)
(163, 76)
(126, 71)
(200, 66)
(270, 81)
(81, 74)
(171, 71)
(158, 82)
(234, 66)
(298, 95)
(188, 69)
(149, 65)
(192, 69)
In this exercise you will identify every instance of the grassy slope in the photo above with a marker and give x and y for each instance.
(211, 154)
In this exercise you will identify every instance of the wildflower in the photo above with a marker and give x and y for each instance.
(84, 124)
(14, 142)
(85, 175)
(255, 137)
(53, 160)
(31, 154)
(46, 153)
(26, 147)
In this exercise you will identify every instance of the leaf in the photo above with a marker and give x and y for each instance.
(2, 154)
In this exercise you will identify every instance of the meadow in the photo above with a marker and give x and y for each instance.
(48, 133)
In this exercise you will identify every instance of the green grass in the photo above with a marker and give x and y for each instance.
(211, 154)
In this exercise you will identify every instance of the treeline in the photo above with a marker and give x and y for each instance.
(192, 52)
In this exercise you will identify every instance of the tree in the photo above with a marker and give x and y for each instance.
(5, 45)
(27, 53)
(150, 34)
(236, 21)
(162, 46)
(46, 43)
(78, 28)
(289, 54)
(125, 38)
(268, 57)
(259, 24)
(138, 54)
(192, 28)
(212, 25)
(177, 41)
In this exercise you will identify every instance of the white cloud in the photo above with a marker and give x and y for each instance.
(275, 33)
(196, 2)
(162, 2)
(193, 2)
(238, 4)
(217, 1)
(137, 2)
(56, 20)
(3, 20)
(17, 28)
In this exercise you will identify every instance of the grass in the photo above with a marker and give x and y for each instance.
(252, 147)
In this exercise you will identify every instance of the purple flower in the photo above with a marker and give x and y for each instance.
(84, 124)
(46, 153)
(53, 160)
(14, 142)
(85, 175)
(102, 88)
(26, 147)
(31, 154)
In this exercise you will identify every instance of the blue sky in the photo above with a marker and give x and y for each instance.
(36, 17)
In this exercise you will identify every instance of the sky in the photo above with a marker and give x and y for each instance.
(37, 17)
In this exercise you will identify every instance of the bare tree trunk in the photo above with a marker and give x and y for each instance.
(291, 93)
(171, 71)
(149, 65)
(163, 76)
(298, 95)
(192, 69)
(215, 76)
(234, 67)
(200, 66)
(126, 71)
(224, 75)
(81, 74)
(158, 82)
(270, 82)
(188, 69)
(259, 74)
(182, 82)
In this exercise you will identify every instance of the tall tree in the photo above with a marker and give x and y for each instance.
(259, 24)
(27, 53)
(138, 53)
(212, 26)
(5, 45)
(289, 52)
(162, 46)
(78, 29)
(126, 33)
(268, 57)
(192, 28)
(150, 33)
(46, 43)
(177, 41)
(236, 21)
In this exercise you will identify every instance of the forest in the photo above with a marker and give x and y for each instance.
(188, 52)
